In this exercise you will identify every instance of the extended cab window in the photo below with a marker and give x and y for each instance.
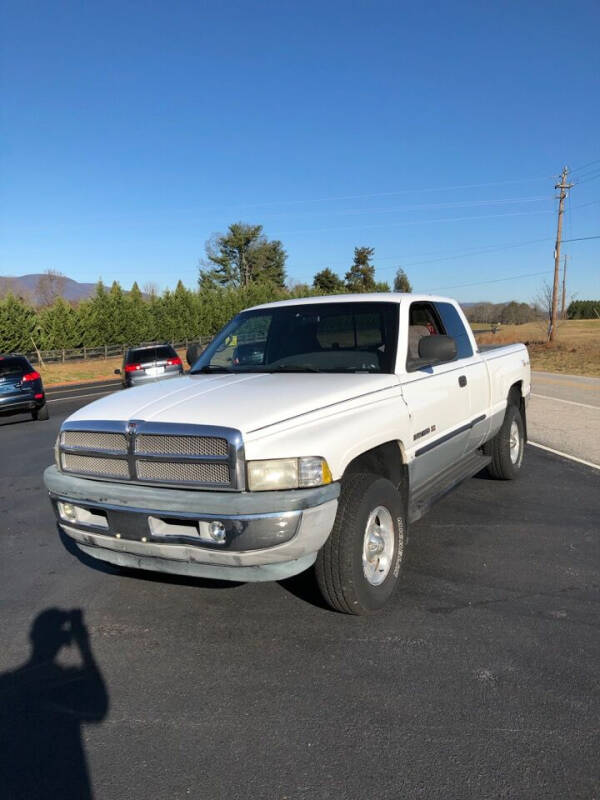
(423, 320)
(310, 337)
(454, 327)
(431, 319)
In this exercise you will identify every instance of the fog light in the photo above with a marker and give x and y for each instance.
(216, 530)
(67, 511)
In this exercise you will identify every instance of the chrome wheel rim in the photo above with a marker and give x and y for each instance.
(378, 546)
(514, 442)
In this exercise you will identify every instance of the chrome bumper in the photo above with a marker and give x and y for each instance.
(268, 535)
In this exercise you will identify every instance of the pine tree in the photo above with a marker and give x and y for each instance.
(95, 318)
(361, 275)
(117, 316)
(401, 282)
(18, 325)
(136, 317)
(328, 282)
(242, 256)
(60, 326)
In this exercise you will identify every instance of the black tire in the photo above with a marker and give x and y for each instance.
(339, 567)
(502, 466)
(41, 413)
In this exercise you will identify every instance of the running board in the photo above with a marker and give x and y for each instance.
(435, 489)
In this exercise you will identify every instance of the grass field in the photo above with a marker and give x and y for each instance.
(575, 351)
(97, 369)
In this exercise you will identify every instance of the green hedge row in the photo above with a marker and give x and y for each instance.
(114, 316)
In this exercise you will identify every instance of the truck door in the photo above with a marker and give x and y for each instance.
(437, 400)
(473, 370)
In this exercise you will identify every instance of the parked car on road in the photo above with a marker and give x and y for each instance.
(149, 364)
(21, 388)
(308, 432)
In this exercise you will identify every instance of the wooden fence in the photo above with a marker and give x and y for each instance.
(105, 351)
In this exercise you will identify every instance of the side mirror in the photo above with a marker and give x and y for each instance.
(117, 372)
(192, 354)
(437, 349)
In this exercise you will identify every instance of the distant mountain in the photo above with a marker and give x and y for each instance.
(25, 285)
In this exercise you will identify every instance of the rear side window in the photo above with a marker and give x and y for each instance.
(454, 327)
(144, 354)
(14, 365)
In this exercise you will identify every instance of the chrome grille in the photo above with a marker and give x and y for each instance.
(95, 440)
(148, 452)
(182, 472)
(152, 443)
(91, 465)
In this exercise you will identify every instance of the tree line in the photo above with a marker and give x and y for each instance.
(584, 309)
(241, 268)
(512, 313)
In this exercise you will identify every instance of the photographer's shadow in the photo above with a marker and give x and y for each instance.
(43, 707)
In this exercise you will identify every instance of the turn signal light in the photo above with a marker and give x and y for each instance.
(30, 376)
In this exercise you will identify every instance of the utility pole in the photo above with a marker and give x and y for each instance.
(564, 288)
(564, 188)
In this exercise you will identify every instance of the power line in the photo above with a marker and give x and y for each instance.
(397, 192)
(589, 178)
(467, 254)
(589, 164)
(425, 206)
(495, 280)
(583, 205)
(582, 238)
(412, 222)
(401, 260)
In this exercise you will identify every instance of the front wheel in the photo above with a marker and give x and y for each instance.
(357, 568)
(507, 447)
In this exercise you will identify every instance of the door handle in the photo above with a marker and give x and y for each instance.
(462, 381)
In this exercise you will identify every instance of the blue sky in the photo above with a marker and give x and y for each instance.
(133, 131)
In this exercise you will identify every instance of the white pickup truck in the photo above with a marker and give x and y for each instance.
(309, 431)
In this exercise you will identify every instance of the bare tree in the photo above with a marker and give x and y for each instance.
(543, 300)
(50, 286)
(150, 289)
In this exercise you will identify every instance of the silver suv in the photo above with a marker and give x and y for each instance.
(148, 364)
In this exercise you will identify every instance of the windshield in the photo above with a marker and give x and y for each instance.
(319, 337)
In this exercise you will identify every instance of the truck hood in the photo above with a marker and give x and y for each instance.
(246, 402)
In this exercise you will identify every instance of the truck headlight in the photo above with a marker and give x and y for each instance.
(288, 473)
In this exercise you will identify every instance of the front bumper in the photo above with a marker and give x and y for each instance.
(268, 535)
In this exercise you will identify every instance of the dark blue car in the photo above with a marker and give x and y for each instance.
(21, 388)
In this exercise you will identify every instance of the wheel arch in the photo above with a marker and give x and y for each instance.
(516, 398)
(387, 460)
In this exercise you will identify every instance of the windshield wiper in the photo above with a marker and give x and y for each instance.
(293, 368)
(210, 368)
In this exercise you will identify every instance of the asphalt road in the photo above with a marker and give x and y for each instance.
(564, 414)
(479, 681)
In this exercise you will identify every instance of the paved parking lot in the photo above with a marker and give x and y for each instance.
(480, 680)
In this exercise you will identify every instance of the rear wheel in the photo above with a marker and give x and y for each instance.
(507, 447)
(41, 413)
(358, 567)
